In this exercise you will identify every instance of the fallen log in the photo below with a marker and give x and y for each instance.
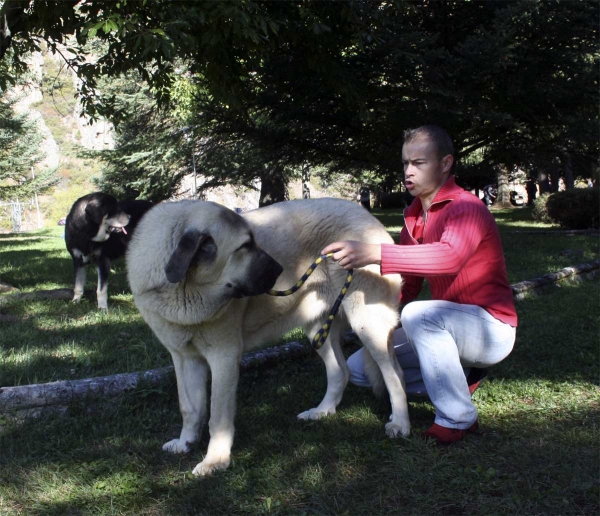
(523, 288)
(39, 399)
(5, 287)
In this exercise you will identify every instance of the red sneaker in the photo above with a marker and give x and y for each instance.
(444, 435)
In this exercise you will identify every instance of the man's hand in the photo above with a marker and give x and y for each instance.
(351, 254)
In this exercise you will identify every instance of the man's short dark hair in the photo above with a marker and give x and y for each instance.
(435, 134)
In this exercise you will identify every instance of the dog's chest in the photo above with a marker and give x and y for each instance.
(87, 257)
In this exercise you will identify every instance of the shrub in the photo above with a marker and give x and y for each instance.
(578, 208)
(540, 209)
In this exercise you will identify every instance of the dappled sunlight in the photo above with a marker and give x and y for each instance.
(537, 409)
(57, 340)
(519, 218)
(278, 462)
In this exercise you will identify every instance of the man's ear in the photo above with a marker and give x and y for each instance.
(447, 162)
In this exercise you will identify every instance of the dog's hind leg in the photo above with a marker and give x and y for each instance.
(80, 277)
(374, 325)
(191, 372)
(338, 373)
(102, 291)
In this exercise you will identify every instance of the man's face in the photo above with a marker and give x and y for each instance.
(424, 171)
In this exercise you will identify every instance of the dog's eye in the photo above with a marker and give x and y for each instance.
(247, 246)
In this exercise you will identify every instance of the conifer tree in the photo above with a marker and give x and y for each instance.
(20, 141)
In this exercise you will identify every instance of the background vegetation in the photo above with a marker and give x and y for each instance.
(264, 89)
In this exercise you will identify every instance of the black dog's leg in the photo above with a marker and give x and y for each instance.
(103, 272)
(80, 276)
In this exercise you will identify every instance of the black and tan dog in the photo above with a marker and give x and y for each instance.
(97, 230)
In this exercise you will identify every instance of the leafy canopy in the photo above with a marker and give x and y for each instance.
(334, 84)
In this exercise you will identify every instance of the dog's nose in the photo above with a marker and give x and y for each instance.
(277, 268)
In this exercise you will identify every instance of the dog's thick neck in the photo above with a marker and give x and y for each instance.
(186, 303)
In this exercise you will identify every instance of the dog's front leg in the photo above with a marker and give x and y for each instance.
(224, 366)
(191, 372)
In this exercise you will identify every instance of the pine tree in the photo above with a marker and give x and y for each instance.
(20, 141)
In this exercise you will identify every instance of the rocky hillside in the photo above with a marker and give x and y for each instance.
(50, 99)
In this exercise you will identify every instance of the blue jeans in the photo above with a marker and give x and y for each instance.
(438, 342)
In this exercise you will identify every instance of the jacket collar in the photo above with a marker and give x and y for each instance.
(448, 192)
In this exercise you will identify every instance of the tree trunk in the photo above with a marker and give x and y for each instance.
(531, 188)
(305, 181)
(569, 179)
(554, 176)
(503, 195)
(273, 188)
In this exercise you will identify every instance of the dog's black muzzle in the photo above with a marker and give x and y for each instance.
(263, 273)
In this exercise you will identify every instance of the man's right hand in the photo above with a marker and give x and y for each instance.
(351, 254)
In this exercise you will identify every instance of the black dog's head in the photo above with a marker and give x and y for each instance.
(103, 210)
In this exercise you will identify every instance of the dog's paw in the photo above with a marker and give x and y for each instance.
(209, 466)
(394, 430)
(177, 446)
(316, 413)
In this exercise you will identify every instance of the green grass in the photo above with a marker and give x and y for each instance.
(47, 340)
(537, 452)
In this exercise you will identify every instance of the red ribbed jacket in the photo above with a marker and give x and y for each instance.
(461, 255)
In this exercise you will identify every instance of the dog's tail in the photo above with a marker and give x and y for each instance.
(374, 375)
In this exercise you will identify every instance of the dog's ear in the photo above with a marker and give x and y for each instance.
(193, 247)
(95, 210)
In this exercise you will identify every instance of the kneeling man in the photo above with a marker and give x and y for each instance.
(451, 239)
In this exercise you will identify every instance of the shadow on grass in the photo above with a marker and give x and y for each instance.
(82, 354)
(557, 337)
(521, 462)
(51, 340)
(27, 269)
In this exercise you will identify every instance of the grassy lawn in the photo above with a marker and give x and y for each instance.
(537, 452)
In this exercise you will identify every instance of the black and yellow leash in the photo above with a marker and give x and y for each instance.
(321, 336)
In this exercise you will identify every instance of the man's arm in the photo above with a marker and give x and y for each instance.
(465, 228)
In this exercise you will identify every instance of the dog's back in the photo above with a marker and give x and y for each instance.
(294, 233)
(316, 223)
